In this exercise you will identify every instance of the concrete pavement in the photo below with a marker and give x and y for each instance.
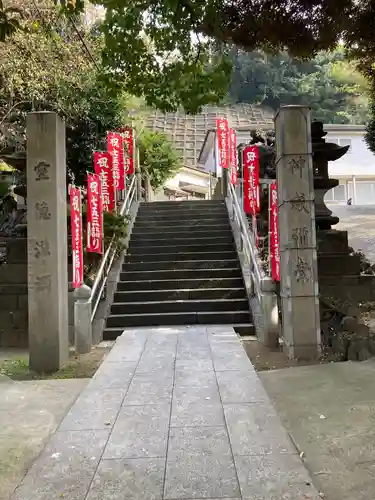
(330, 412)
(172, 413)
(29, 413)
(359, 221)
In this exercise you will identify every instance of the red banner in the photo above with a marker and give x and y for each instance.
(274, 233)
(233, 156)
(252, 162)
(103, 167)
(248, 202)
(116, 149)
(223, 141)
(127, 134)
(77, 243)
(94, 214)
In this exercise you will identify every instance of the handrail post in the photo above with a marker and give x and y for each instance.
(138, 175)
(224, 182)
(82, 320)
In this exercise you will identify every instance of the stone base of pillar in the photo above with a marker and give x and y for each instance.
(302, 352)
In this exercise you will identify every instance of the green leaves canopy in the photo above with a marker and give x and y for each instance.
(48, 69)
(329, 84)
(163, 48)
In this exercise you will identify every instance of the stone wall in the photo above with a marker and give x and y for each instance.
(13, 296)
(14, 300)
(340, 275)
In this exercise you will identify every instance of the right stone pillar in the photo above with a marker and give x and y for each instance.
(299, 292)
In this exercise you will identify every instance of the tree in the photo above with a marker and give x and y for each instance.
(336, 92)
(9, 21)
(163, 49)
(142, 35)
(47, 68)
(158, 158)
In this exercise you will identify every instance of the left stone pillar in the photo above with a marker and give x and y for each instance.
(47, 242)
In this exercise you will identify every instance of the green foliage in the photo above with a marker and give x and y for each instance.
(158, 159)
(329, 84)
(9, 21)
(162, 49)
(49, 70)
(151, 46)
(115, 229)
(370, 128)
(4, 189)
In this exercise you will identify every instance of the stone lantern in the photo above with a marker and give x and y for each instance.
(323, 152)
(16, 225)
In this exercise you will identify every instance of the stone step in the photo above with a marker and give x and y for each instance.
(180, 294)
(181, 318)
(177, 256)
(177, 219)
(180, 248)
(179, 265)
(179, 241)
(329, 265)
(177, 305)
(178, 284)
(245, 329)
(182, 274)
(181, 223)
(146, 229)
(332, 242)
(195, 213)
(175, 204)
(353, 289)
(224, 234)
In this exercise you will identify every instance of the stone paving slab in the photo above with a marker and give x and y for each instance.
(172, 413)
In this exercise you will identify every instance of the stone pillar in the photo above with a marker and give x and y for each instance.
(47, 242)
(297, 234)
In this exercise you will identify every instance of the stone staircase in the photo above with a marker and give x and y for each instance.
(181, 268)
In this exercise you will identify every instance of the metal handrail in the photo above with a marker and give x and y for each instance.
(248, 244)
(259, 285)
(109, 255)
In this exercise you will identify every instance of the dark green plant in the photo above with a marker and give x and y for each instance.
(9, 21)
(158, 158)
(115, 230)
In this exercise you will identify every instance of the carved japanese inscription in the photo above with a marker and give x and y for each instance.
(42, 249)
(300, 236)
(43, 282)
(42, 211)
(42, 171)
(302, 271)
(297, 165)
(299, 203)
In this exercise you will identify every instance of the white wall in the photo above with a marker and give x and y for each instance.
(359, 160)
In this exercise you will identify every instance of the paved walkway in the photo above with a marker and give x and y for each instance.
(359, 221)
(172, 413)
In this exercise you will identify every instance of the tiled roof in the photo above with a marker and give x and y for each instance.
(188, 131)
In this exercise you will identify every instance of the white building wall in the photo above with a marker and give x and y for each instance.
(355, 171)
(358, 161)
